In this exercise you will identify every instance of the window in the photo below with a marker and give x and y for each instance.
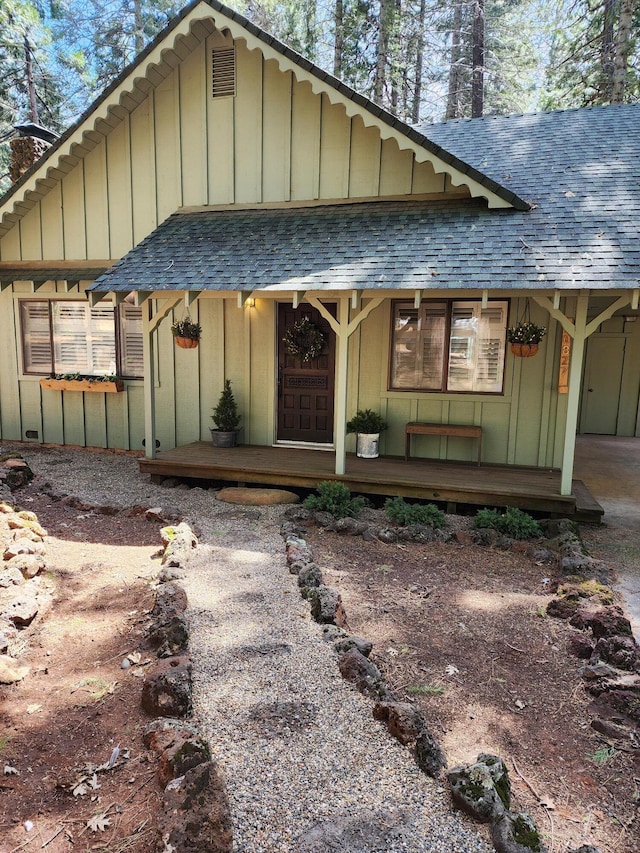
(64, 336)
(448, 345)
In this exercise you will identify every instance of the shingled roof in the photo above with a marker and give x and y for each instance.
(580, 169)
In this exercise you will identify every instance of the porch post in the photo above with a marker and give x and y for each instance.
(573, 397)
(340, 417)
(149, 357)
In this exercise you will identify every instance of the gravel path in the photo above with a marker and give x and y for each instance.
(306, 766)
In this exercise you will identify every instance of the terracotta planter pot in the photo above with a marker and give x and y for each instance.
(524, 350)
(186, 343)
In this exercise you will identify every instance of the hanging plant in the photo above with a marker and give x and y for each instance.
(186, 333)
(304, 340)
(525, 336)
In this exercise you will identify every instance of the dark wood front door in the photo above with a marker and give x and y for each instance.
(305, 388)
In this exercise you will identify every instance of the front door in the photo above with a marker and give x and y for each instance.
(602, 384)
(305, 386)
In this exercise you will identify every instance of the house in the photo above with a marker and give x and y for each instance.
(224, 177)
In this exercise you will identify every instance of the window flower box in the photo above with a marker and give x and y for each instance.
(97, 385)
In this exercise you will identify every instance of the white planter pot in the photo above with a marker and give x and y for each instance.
(367, 445)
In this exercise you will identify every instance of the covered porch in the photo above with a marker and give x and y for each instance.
(446, 482)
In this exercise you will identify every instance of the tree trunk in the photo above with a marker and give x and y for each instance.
(607, 50)
(338, 44)
(621, 51)
(382, 50)
(477, 80)
(453, 98)
(31, 87)
(417, 92)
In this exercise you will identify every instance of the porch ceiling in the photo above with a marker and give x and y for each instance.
(411, 245)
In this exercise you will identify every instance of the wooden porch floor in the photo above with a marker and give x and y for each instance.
(447, 482)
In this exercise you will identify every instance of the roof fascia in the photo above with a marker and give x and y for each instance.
(37, 181)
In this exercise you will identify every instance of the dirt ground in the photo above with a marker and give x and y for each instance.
(59, 725)
(460, 630)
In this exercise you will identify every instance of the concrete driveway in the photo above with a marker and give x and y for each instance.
(610, 467)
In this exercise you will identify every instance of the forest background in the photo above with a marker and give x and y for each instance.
(423, 60)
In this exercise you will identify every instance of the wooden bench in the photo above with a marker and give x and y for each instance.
(458, 430)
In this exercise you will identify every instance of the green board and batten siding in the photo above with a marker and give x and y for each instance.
(275, 142)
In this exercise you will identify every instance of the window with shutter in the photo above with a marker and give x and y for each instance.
(472, 337)
(65, 336)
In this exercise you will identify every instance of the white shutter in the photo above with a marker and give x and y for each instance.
(433, 316)
(491, 347)
(36, 337)
(101, 350)
(83, 338)
(130, 330)
(476, 347)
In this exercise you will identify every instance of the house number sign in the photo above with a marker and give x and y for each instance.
(565, 358)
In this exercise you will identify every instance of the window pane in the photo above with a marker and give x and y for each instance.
(418, 346)
(36, 337)
(131, 360)
(476, 347)
(83, 339)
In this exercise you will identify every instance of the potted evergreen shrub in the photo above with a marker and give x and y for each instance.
(186, 333)
(367, 425)
(226, 419)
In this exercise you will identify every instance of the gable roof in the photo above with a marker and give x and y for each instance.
(127, 91)
(580, 168)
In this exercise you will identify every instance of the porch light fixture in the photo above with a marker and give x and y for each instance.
(250, 302)
(630, 318)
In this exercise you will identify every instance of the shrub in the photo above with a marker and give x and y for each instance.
(335, 498)
(486, 518)
(401, 512)
(513, 522)
(367, 422)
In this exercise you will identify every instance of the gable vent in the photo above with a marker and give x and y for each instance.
(223, 72)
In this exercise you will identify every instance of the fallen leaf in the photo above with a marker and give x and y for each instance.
(10, 771)
(451, 670)
(98, 822)
(134, 657)
(547, 803)
(31, 709)
(520, 704)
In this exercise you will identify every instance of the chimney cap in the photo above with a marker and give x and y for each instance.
(31, 129)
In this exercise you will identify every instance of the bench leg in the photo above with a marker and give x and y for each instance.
(407, 446)
(479, 449)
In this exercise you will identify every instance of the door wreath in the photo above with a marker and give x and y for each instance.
(304, 340)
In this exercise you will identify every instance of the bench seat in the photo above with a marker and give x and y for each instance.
(457, 430)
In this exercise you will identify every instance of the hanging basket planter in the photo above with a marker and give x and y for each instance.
(524, 350)
(186, 343)
(525, 336)
(186, 333)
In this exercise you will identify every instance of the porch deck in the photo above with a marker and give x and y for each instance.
(446, 482)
